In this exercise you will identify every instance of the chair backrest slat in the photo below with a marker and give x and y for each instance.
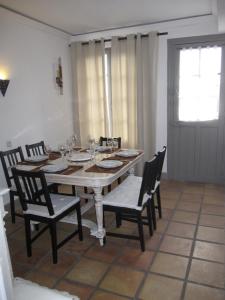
(9, 159)
(148, 179)
(32, 189)
(35, 149)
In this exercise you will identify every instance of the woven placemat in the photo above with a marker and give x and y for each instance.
(54, 155)
(122, 158)
(33, 163)
(67, 171)
(96, 169)
(77, 148)
(70, 170)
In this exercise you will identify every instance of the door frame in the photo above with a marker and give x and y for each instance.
(172, 99)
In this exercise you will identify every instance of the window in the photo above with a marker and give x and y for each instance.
(199, 84)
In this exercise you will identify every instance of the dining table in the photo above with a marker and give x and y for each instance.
(87, 173)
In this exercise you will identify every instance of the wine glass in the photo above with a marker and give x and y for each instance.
(62, 150)
(115, 143)
(110, 143)
(92, 147)
(69, 145)
(47, 150)
(74, 140)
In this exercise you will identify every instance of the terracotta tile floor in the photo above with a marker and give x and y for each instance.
(183, 260)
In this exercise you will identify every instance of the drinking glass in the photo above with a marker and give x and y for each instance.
(62, 150)
(48, 150)
(74, 140)
(69, 146)
(110, 143)
(92, 148)
(115, 143)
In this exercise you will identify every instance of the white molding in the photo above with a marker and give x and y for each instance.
(221, 15)
(161, 27)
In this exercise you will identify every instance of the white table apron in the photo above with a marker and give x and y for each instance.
(96, 181)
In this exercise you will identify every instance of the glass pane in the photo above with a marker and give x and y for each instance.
(199, 84)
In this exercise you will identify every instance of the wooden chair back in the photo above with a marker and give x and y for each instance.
(148, 179)
(104, 139)
(35, 149)
(32, 189)
(9, 159)
(161, 157)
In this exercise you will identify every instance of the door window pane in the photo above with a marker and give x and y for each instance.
(199, 84)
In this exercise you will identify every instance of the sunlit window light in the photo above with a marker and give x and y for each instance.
(199, 84)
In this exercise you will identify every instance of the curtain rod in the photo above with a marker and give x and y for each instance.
(123, 38)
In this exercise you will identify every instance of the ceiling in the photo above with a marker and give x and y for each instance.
(83, 16)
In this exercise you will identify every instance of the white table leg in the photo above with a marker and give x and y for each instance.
(100, 233)
(131, 171)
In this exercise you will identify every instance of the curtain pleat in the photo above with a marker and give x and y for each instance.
(124, 94)
(89, 90)
(146, 60)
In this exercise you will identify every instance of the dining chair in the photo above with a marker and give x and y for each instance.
(103, 140)
(9, 159)
(35, 149)
(41, 206)
(161, 157)
(39, 149)
(130, 198)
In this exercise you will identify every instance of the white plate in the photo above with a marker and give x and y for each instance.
(108, 164)
(80, 157)
(25, 167)
(54, 168)
(37, 158)
(127, 153)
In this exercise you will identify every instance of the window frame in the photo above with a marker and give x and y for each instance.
(174, 46)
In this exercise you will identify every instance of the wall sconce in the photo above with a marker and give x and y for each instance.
(3, 86)
(59, 77)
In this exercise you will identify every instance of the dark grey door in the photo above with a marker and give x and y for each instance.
(196, 92)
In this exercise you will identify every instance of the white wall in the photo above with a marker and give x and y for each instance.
(32, 108)
(182, 28)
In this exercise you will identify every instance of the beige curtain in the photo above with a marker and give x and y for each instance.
(124, 93)
(134, 85)
(89, 90)
(147, 61)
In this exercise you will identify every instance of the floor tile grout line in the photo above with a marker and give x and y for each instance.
(157, 249)
(197, 239)
(106, 273)
(192, 251)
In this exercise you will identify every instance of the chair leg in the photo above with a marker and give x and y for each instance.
(86, 191)
(118, 220)
(149, 215)
(79, 223)
(119, 180)
(12, 208)
(109, 188)
(152, 203)
(36, 226)
(73, 190)
(159, 201)
(52, 228)
(141, 233)
(28, 236)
